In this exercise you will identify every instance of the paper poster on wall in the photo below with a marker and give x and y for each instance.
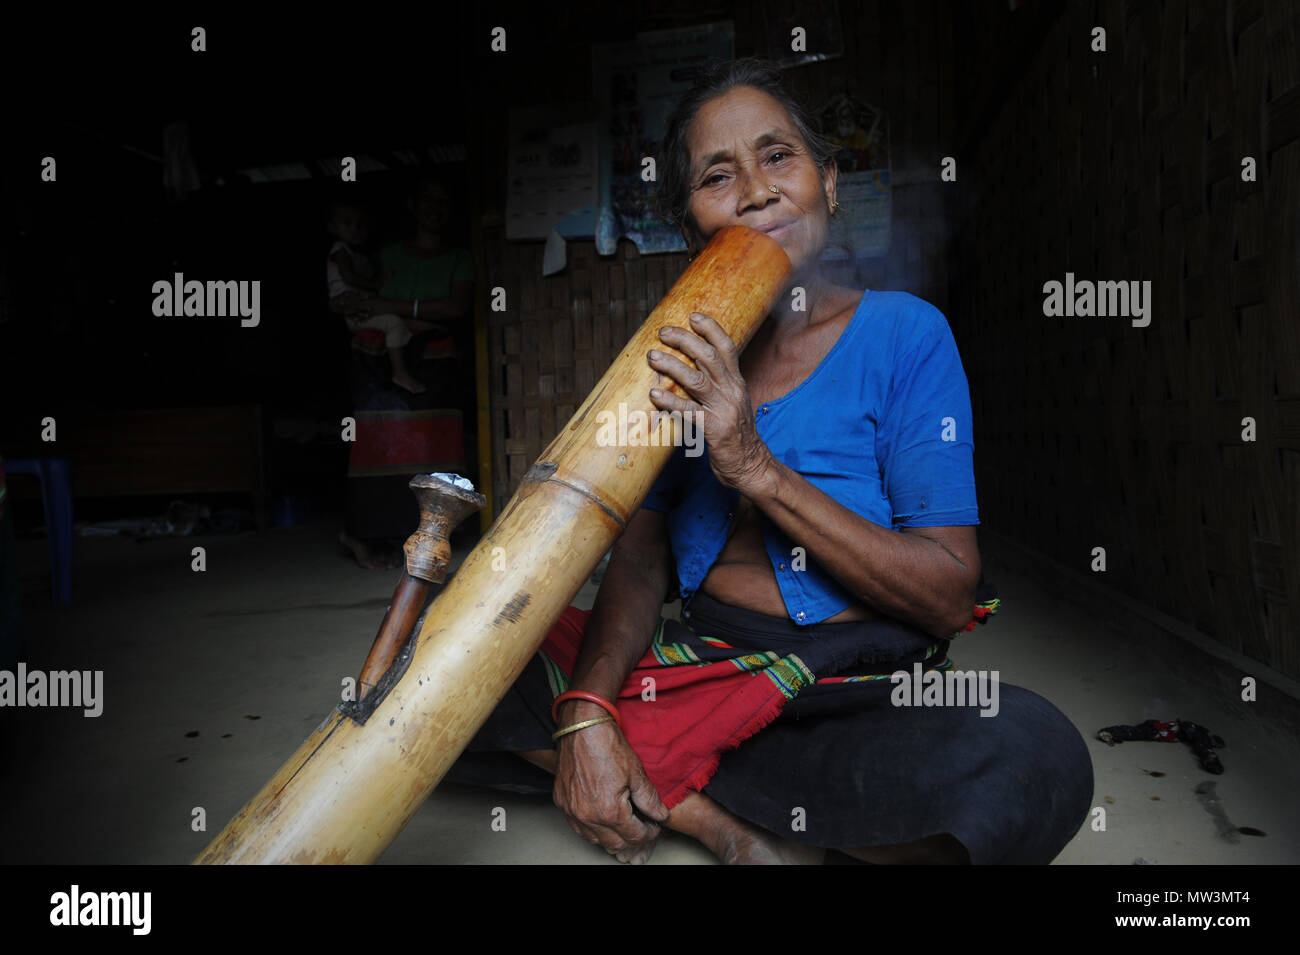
(861, 226)
(552, 173)
(636, 85)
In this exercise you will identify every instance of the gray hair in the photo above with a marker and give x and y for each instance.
(674, 163)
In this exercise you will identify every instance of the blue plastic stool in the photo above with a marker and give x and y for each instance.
(56, 497)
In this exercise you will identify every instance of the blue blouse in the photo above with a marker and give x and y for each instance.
(882, 426)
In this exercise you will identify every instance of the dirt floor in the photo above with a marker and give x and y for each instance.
(212, 679)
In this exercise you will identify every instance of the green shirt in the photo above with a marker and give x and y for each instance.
(414, 277)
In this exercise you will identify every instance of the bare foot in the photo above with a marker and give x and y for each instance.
(745, 845)
(410, 383)
(735, 841)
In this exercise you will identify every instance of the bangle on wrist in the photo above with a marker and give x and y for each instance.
(600, 701)
(574, 727)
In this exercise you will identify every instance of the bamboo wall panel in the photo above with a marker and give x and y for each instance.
(1126, 165)
(556, 338)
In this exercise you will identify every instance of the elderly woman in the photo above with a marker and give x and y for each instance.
(825, 541)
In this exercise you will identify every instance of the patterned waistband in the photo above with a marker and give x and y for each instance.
(871, 640)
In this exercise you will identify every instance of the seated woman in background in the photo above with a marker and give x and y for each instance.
(428, 285)
(353, 276)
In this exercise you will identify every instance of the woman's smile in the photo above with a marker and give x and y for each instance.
(750, 166)
(778, 231)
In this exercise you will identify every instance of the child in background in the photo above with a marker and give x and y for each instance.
(352, 277)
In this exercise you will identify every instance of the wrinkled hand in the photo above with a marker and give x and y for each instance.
(719, 399)
(603, 791)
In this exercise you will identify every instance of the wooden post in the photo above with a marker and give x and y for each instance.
(351, 787)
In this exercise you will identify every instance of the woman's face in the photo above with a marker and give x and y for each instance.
(741, 144)
(430, 207)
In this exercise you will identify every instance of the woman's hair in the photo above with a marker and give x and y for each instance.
(674, 193)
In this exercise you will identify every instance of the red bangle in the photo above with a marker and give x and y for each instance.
(600, 701)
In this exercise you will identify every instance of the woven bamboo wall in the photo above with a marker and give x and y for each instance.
(1090, 432)
(557, 337)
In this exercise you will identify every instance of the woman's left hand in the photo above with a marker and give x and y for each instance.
(719, 399)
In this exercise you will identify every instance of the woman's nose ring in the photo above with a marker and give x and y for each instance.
(774, 189)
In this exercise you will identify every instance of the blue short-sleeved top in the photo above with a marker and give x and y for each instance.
(882, 426)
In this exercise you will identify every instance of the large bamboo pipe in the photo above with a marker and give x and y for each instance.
(351, 787)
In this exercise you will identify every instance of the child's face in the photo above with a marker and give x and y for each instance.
(349, 225)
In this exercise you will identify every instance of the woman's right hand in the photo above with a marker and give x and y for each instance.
(602, 788)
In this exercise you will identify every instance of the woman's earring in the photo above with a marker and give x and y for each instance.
(835, 207)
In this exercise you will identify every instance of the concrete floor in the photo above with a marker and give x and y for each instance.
(212, 679)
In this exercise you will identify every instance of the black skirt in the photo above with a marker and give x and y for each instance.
(844, 766)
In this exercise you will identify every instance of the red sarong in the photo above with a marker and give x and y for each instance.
(693, 709)
(688, 702)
